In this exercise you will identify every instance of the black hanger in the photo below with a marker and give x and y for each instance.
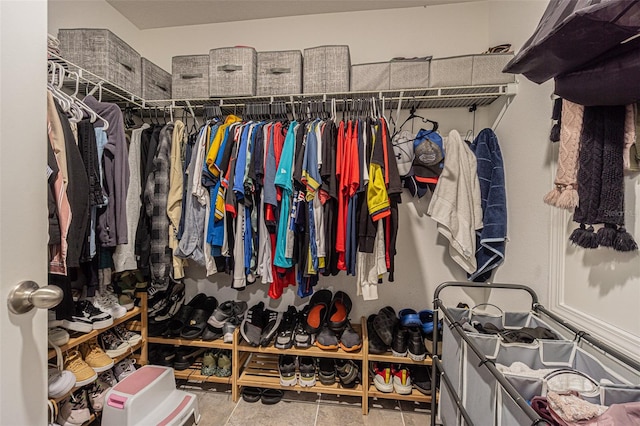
(412, 115)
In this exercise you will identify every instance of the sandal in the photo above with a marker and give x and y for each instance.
(251, 394)
(318, 309)
(198, 320)
(384, 323)
(339, 312)
(409, 318)
(183, 316)
(271, 396)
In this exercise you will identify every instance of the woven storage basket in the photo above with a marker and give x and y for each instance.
(370, 77)
(326, 69)
(232, 71)
(101, 52)
(190, 75)
(279, 73)
(470, 70)
(156, 82)
(409, 73)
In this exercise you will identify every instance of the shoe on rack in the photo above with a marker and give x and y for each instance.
(348, 372)
(382, 377)
(385, 323)
(52, 319)
(271, 396)
(226, 310)
(172, 302)
(338, 316)
(350, 340)
(287, 370)
(228, 328)
(83, 372)
(96, 393)
(212, 333)
(127, 299)
(183, 316)
(253, 324)
(401, 380)
(376, 345)
(74, 410)
(327, 371)
(272, 323)
(195, 326)
(60, 382)
(108, 378)
(318, 310)
(57, 336)
(99, 318)
(327, 339)
(421, 378)
(224, 364)
(93, 355)
(400, 343)
(284, 337)
(209, 363)
(155, 328)
(417, 349)
(301, 337)
(124, 368)
(127, 335)
(108, 302)
(162, 355)
(112, 344)
(307, 368)
(185, 356)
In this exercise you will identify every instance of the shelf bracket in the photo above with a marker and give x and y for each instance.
(502, 112)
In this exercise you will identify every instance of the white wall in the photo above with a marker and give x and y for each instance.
(422, 262)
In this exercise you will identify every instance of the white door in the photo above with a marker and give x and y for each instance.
(23, 208)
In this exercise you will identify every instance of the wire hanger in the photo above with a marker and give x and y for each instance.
(413, 115)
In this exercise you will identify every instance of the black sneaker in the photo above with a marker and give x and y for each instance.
(253, 324)
(421, 378)
(348, 372)
(327, 371)
(185, 356)
(301, 337)
(416, 347)
(270, 329)
(307, 367)
(399, 343)
(287, 370)
(87, 317)
(173, 301)
(284, 338)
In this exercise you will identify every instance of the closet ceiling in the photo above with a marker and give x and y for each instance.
(146, 14)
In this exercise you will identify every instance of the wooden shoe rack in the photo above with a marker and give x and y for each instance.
(258, 367)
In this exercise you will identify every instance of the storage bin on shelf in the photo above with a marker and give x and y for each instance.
(156, 82)
(104, 54)
(190, 77)
(326, 69)
(395, 74)
(279, 73)
(470, 70)
(232, 71)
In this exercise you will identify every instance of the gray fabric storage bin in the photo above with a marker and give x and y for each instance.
(279, 73)
(409, 74)
(156, 82)
(326, 69)
(232, 71)
(190, 77)
(487, 69)
(454, 71)
(372, 76)
(470, 70)
(104, 54)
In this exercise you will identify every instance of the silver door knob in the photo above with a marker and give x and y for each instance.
(27, 295)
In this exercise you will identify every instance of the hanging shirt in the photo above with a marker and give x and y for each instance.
(284, 180)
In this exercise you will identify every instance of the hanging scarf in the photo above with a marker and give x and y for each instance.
(601, 181)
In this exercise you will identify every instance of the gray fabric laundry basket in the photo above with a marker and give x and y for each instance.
(279, 73)
(190, 77)
(326, 69)
(484, 399)
(232, 71)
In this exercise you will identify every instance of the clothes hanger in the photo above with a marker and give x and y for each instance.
(93, 116)
(413, 115)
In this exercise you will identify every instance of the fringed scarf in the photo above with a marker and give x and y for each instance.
(601, 181)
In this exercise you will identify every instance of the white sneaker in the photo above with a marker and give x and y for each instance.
(74, 410)
(110, 305)
(112, 344)
(58, 337)
(96, 392)
(51, 319)
(127, 335)
(60, 382)
(124, 368)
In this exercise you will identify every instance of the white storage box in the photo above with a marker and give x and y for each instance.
(156, 82)
(232, 71)
(101, 52)
(326, 69)
(370, 77)
(149, 397)
(190, 75)
(279, 73)
(470, 70)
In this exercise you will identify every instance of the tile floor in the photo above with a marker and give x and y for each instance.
(300, 409)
